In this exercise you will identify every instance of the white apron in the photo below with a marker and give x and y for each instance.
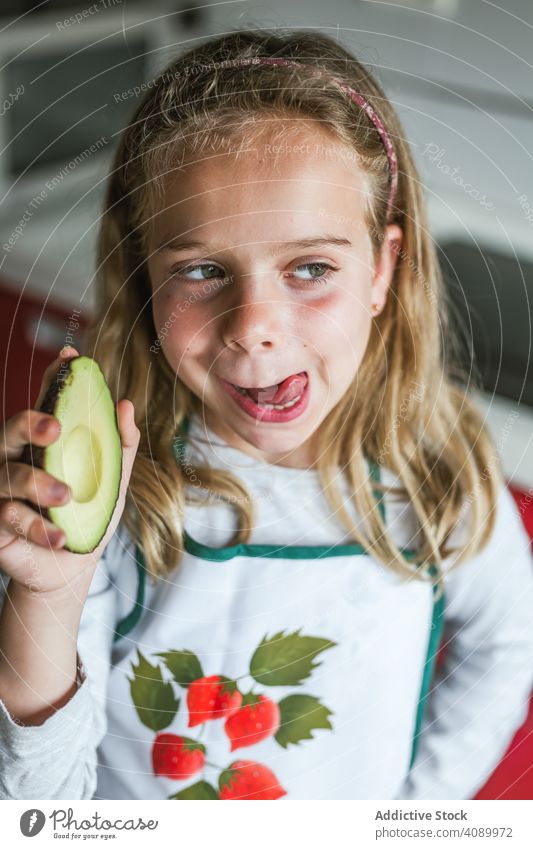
(264, 672)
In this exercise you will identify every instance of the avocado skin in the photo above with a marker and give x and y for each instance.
(33, 455)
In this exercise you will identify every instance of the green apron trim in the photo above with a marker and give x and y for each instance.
(437, 626)
(128, 623)
(296, 552)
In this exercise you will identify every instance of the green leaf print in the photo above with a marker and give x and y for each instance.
(200, 790)
(286, 658)
(184, 666)
(299, 715)
(191, 745)
(154, 698)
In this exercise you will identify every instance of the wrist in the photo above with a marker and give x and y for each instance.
(72, 593)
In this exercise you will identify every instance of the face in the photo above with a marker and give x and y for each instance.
(266, 271)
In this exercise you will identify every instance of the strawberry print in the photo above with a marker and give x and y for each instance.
(213, 697)
(177, 757)
(249, 780)
(286, 658)
(256, 719)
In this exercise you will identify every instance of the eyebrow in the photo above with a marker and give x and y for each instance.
(312, 241)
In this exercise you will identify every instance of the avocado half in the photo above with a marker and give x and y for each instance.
(87, 455)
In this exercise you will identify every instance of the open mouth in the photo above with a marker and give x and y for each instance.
(279, 396)
(280, 403)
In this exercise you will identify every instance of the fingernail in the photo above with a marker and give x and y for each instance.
(58, 490)
(55, 537)
(42, 425)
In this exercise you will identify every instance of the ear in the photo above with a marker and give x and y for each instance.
(384, 269)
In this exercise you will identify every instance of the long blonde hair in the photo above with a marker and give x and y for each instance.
(433, 438)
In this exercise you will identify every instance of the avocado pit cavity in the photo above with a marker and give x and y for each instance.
(83, 477)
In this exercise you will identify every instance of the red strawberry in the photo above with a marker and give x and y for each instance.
(213, 697)
(257, 718)
(177, 757)
(249, 780)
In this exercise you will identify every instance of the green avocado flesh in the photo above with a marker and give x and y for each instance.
(87, 455)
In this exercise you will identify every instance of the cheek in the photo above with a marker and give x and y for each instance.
(178, 329)
(338, 328)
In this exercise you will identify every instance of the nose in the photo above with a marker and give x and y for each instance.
(255, 318)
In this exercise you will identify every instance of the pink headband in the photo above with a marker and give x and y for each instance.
(357, 98)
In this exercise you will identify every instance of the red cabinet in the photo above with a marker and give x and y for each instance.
(31, 336)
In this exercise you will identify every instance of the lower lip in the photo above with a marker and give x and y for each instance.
(256, 411)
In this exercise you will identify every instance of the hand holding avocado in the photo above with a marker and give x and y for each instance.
(73, 437)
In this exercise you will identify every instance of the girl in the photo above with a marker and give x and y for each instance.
(314, 501)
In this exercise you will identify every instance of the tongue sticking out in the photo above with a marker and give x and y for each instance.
(281, 393)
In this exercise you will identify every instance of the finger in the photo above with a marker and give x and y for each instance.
(17, 519)
(23, 427)
(27, 426)
(20, 480)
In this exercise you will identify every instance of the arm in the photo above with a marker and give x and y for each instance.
(38, 634)
(49, 752)
(50, 722)
(480, 693)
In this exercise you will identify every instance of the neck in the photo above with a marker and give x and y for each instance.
(301, 457)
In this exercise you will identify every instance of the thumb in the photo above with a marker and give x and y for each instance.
(129, 436)
(129, 432)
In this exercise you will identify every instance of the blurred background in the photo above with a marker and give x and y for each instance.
(460, 74)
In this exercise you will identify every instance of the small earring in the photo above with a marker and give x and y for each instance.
(375, 309)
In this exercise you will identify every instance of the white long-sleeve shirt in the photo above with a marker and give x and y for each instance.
(344, 645)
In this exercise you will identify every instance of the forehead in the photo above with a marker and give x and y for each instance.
(293, 169)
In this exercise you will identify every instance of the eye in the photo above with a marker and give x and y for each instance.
(322, 276)
(324, 271)
(188, 269)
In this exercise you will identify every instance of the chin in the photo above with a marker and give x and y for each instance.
(268, 437)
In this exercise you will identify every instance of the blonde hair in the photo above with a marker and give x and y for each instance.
(439, 448)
